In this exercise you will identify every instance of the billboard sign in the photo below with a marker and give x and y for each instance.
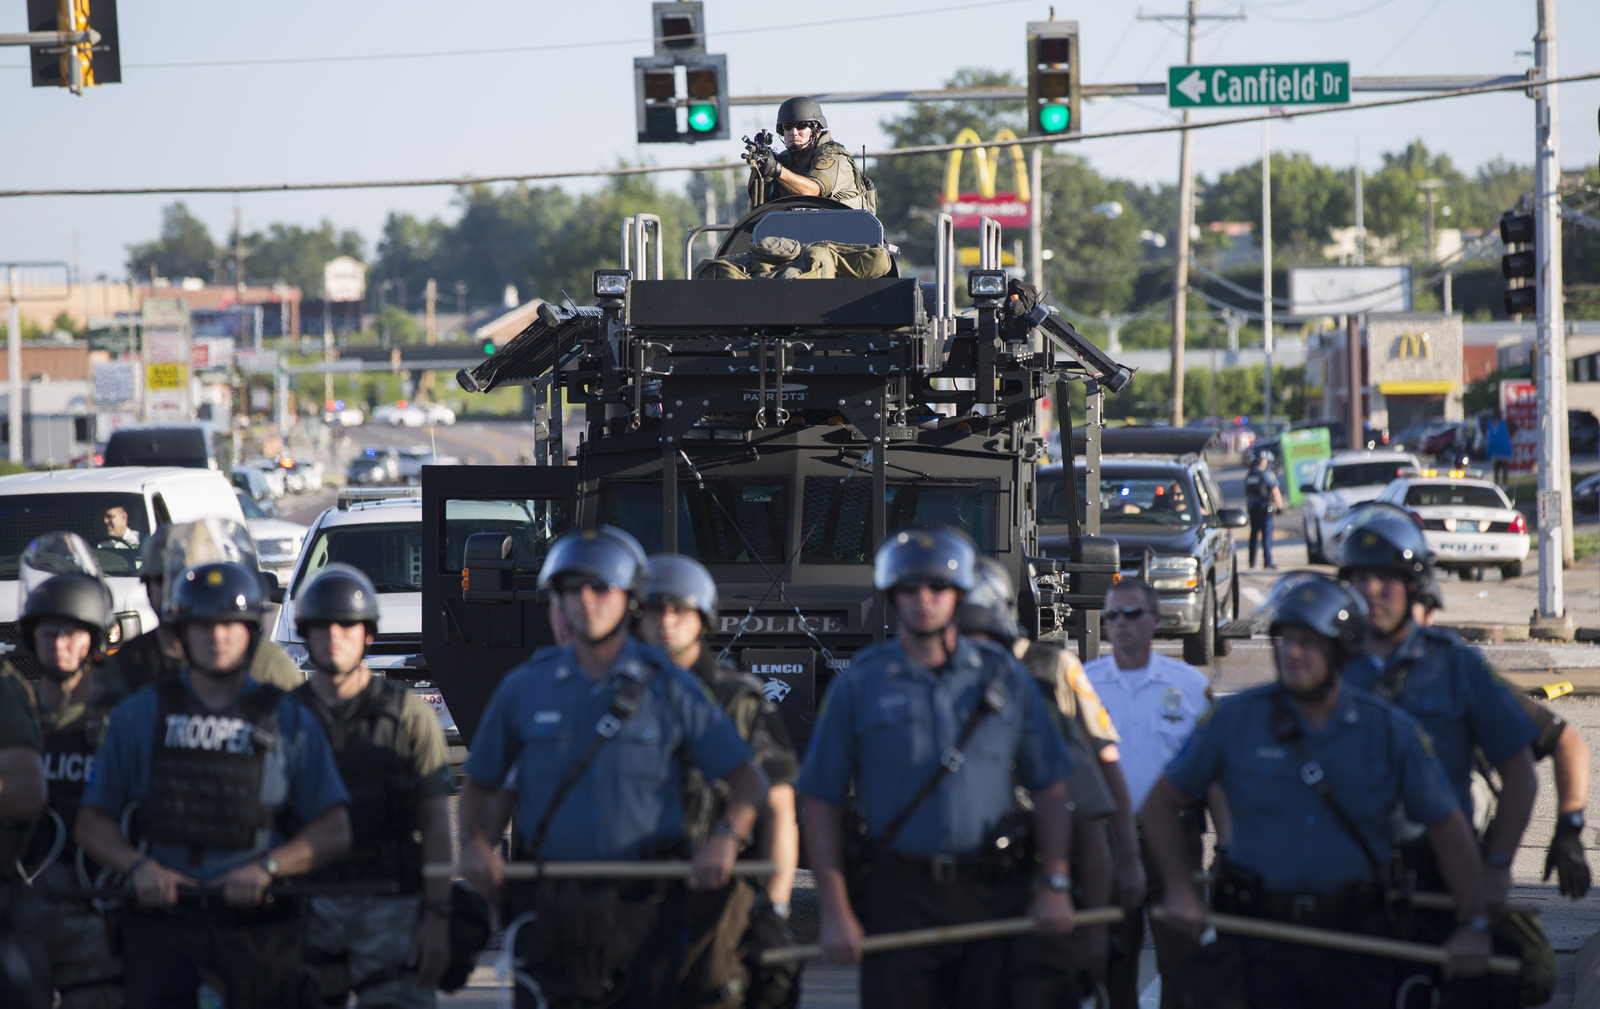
(1348, 290)
(344, 279)
(116, 383)
(1302, 450)
(969, 210)
(1519, 405)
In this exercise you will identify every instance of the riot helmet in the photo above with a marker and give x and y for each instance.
(607, 555)
(52, 554)
(215, 593)
(208, 541)
(911, 556)
(682, 581)
(1386, 538)
(802, 110)
(338, 594)
(1320, 605)
(1430, 594)
(79, 598)
(990, 608)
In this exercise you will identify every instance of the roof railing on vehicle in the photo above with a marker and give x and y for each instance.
(368, 495)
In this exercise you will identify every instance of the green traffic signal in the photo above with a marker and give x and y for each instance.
(703, 118)
(488, 346)
(1054, 118)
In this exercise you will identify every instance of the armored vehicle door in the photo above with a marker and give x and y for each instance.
(471, 645)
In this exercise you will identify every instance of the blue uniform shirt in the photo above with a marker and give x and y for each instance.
(887, 722)
(299, 774)
(542, 718)
(1447, 685)
(1373, 754)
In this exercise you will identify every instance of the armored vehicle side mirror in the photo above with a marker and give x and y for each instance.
(1306, 488)
(1106, 557)
(494, 576)
(1233, 518)
(270, 586)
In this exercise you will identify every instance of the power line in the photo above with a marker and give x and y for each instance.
(1409, 32)
(898, 152)
(1320, 21)
(510, 50)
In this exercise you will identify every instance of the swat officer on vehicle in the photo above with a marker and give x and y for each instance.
(600, 732)
(680, 608)
(930, 728)
(64, 626)
(389, 950)
(216, 762)
(1312, 771)
(156, 654)
(24, 963)
(812, 163)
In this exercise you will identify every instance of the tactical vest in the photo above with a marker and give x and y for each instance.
(69, 751)
(864, 186)
(206, 770)
(375, 760)
(739, 696)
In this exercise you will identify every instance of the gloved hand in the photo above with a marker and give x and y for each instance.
(771, 987)
(1566, 859)
(766, 165)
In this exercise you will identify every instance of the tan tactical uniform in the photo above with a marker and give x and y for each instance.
(829, 165)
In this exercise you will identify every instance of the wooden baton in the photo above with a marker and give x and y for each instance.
(1348, 942)
(1000, 928)
(600, 870)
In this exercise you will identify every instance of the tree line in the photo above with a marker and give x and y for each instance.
(1109, 239)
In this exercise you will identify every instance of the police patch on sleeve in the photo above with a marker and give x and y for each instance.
(824, 162)
(1423, 738)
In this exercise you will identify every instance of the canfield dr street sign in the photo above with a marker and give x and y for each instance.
(1258, 84)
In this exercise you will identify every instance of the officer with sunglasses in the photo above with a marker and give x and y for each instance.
(600, 733)
(1154, 701)
(930, 729)
(812, 163)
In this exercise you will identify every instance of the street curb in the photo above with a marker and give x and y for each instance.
(1490, 634)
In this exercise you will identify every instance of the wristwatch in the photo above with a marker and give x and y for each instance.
(1573, 819)
(780, 909)
(722, 828)
(1060, 882)
(271, 866)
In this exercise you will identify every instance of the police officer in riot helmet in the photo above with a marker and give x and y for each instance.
(24, 963)
(679, 610)
(905, 724)
(156, 655)
(1447, 684)
(233, 762)
(811, 163)
(65, 624)
(601, 733)
(1299, 760)
(389, 950)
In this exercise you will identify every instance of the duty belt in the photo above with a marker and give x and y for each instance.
(944, 870)
(1238, 893)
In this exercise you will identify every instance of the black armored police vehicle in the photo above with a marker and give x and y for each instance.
(777, 429)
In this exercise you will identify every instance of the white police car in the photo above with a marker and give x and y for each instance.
(1467, 521)
(1339, 483)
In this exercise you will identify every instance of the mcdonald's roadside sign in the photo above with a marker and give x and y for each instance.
(1414, 344)
(968, 207)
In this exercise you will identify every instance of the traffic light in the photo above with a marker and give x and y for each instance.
(680, 28)
(488, 347)
(1519, 264)
(680, 42)
(1053, 97)
(52, 66)
(655, 80)
(705, 81)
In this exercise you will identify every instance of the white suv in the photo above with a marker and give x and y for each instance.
(1339, 483)
(379, 532)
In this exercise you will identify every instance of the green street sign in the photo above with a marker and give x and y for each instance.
(1258, 84)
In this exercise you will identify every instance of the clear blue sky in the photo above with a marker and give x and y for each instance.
(571, 105)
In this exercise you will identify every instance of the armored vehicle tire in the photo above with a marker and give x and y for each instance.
(1224, 646)
(1512, 570)
(1200, 647)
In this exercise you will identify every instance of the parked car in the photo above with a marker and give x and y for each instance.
(379, 532)
(187, 445)
(1586, 496)
(1337, 484)
(277, 481)
(375, 465)
(1414, 436)
(1583, 432)
(1467, 521)
(1160, 502)
(77, 501)
(413, 459)
(404, 414)
(344, 416)
(253, 483)
(278, 541)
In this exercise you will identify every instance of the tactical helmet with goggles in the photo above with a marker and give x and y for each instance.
(607, 557)
(1320, 605)
(1386, 538)
(339, 594)
(991, 607)
(79, 598)
(215, 593)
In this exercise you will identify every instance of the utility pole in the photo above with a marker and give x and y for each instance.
(238, 249)
(1180, 276)
(1266, 269)
(1361, 227)
(1035, 213)
(430, 296)
(14, 364)
(1553, 513)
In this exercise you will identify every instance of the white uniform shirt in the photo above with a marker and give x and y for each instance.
(1154, 710)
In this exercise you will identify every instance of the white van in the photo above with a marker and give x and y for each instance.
(86, 502)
